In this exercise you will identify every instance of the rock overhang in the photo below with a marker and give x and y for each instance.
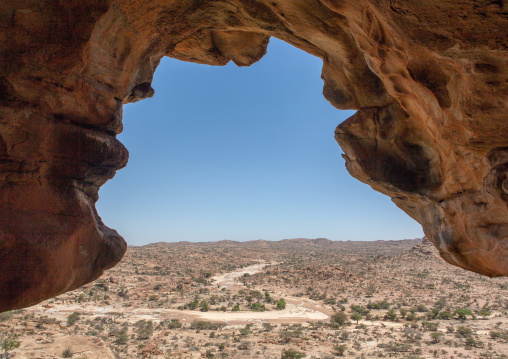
(429, 81)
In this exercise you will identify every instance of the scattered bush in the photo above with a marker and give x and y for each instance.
(204, 325)
(359, 309)
(257, 307)
(292, 354)
(378, 305)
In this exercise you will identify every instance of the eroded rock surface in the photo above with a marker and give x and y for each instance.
(429, 80)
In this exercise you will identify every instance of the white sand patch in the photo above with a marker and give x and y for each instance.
(296, 308)
(229, 279)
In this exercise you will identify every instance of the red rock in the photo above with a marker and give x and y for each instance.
(429, 84)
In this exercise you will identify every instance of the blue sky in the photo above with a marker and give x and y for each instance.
(242, 154)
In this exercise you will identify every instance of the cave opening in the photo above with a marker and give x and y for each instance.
(242, 153)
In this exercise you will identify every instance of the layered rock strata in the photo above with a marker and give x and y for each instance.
(429, 81)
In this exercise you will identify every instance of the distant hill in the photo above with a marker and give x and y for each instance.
(318, 244)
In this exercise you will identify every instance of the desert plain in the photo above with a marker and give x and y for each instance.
(296, 298)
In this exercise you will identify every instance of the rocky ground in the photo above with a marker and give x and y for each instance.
(259, 299)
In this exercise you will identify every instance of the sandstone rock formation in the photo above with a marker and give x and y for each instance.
(429, 80)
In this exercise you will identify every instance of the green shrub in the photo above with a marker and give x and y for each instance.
(462, 313)
(121, 339)
(292, 354)
(391, 315)
(174, 324)
(287, 335)
(436, 337)
(340, 349)
(431, 326)
(446, 315)
(499, 335)
(144, 329)
(67, 353)
(339, 318)
(205, 306)
(464, 331)
(72, 319)
(204, 325)
(359, 309)
(378, 305)
(257, 307)
(281, 304)
(8, 342)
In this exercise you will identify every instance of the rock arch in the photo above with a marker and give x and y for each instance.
(429, 81)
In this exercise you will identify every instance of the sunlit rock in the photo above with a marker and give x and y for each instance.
(429, 81)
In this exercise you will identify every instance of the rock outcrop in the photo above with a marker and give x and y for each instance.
(429, 80)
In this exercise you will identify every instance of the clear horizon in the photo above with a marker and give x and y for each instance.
(242, 154)
(274, 240)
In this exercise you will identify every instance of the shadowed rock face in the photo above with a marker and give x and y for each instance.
(429, 80)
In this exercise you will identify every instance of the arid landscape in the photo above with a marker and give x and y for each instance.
(287, 299)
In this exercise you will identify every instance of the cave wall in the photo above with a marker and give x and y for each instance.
(429, 81)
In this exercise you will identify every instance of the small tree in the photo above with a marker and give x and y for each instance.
(339, 318)
(9, 342)
(115, 316)
(356, 316)
(281, 304)
(144, 329)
